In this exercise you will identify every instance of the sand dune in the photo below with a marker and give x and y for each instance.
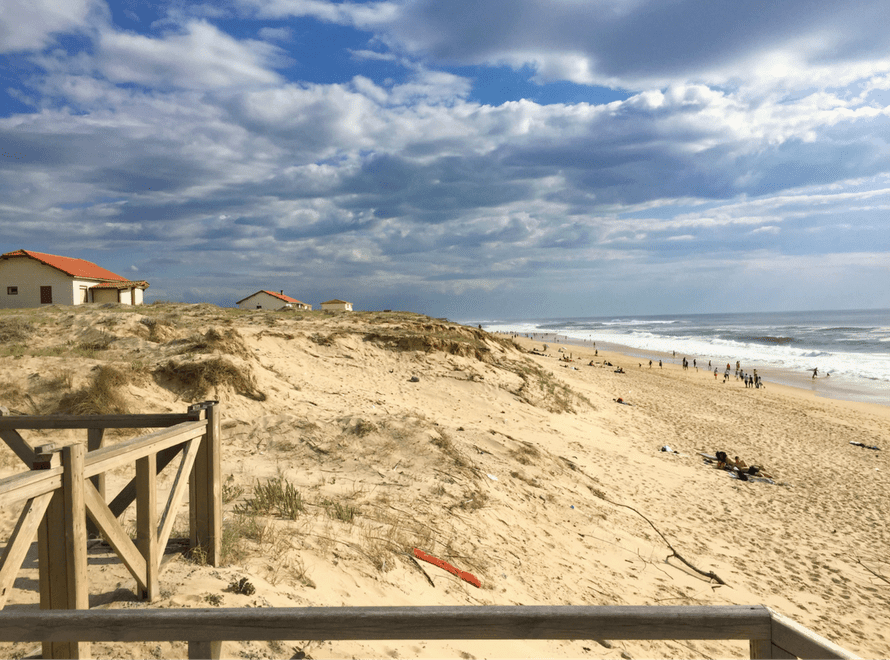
(400, 431)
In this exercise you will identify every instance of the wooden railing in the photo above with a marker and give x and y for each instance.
(770, 635)
(66, 485)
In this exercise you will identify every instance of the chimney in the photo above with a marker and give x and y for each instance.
(282, 292)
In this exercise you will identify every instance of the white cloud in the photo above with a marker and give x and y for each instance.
(30, 24)
(201, 57)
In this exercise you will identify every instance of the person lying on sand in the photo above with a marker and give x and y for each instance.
(621, 401)
(739, 466)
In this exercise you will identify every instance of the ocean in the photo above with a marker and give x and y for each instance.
(850, 349)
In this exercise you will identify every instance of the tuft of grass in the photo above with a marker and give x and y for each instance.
(541, 388)
(158, 328)
(526, 454)
(197, 379)
(101, 396)
(227, 342)
(342, 511)
(274, 496)
(15, 330)
(444, 442)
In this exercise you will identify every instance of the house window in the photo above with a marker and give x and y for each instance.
(46, 295)
(12, 291)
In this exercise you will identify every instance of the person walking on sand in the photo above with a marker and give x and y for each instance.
(659, 365)
(815, 372)
(715, 373)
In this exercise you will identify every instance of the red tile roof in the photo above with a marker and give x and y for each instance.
(68, 265)
(280, 296)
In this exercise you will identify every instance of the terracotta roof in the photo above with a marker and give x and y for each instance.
(68, 265)
(336, 300)
(280, 296)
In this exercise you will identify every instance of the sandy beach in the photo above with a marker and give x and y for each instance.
(401, 431)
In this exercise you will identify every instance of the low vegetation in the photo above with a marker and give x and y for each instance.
(101, 396)
(195, 380)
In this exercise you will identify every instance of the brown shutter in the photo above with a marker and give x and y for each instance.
(46, 295)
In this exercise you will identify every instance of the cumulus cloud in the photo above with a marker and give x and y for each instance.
(198, 57)
(31, 24)
(649, 43)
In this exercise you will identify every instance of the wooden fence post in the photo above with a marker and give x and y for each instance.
(147, 522)
(62, 547)
(205, 487)
(95, 440)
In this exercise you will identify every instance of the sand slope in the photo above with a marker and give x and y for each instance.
(400, 431)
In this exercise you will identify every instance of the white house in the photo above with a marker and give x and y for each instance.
(31, 279)
(270, 300)
(337, 305)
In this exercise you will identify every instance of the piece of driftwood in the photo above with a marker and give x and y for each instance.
(708, 574)
(877, 575)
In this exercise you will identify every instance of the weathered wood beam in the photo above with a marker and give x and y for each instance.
(378, 623)
(800, 642)
(19, 543)
(18, 444)
(155, 420)
(132, 450)
(177, 491)
(117, 538)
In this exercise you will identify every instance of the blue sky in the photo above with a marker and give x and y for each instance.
(483, 159)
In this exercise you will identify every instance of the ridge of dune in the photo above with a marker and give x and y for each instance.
(400, 431)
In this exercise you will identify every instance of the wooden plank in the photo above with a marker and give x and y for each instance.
(112, 531)
(801, 642)
(19, 445)
(177, 491)
(74, 516)
(154, 420)
(128, 493)
(27, 485)
(95, 440)
(20, 542)
(132, 450)
(147, 523)
(198, 518)
(379, 623)
(53, 572)
(213, 439)
(199, 650)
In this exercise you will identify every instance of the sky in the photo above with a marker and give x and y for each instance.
(483, 159)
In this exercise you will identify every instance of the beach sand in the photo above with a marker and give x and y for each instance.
(402, 431)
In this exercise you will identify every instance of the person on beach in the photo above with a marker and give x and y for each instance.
(715, 373)
(815, 372)
(659, 364)
(650, 364)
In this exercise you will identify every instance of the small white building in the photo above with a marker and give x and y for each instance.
(337, 305)
(32, 279)
(270, 300)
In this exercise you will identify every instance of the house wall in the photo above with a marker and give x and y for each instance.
(138, 296)
(29, 275)
(264, 300)
(343, 307)
(104, 295)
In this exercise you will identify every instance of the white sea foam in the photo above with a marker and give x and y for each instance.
(798, 352)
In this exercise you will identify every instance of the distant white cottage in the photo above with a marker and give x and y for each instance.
(32, 279)
(337, 305)
(270, 300)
